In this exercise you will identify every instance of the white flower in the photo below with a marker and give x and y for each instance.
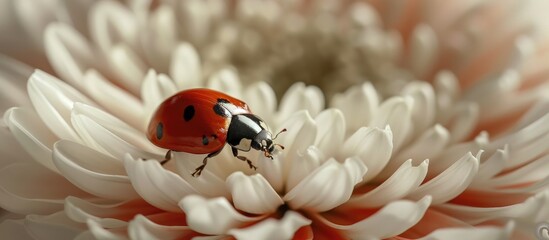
(460, 155)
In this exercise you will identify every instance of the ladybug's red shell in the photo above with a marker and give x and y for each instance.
(188, 121)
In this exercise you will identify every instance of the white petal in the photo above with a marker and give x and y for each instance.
(108, 134)
(111, 23)
(14, 229)
(261, 99)
(19, 192)
(534, 209)
(303, 164)
(401, 215)
(212, 216)
(403, 181)
(142, 228)
(99, 232)
(448, 157)
(331, 131)
(81, 211)
(32, 135)
(451, 182)
(364, 15)
(300, 135)
(531, 172)
(10, 148)
(68, 52)
(429, 144)
(160, 37)
(358, 104)
(185, 67)
(423, 109)
(299, 97)
(128, 67)
(373, 146)
(423, 49)
(535, 113)
(75, 14)
(227, 81)
(476, 233)
(491, 167)
(127, 107)
(253, 194)
(210, 183)
(273, 172)
(54, 226)
(397, 113)
(155, 89)
(327, 187)
(447, 90)
(13, 77)
(463, 121)
(93, 171)
(53, 100)
(158, 186)
(284, 228)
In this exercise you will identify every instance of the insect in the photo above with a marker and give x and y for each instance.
(202, 121)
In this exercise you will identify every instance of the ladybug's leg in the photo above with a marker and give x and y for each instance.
(235, 153)
(167, 158)
(199, 169)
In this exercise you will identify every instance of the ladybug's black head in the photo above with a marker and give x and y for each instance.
(263, 141)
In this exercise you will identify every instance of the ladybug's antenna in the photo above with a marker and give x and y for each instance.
(281, 147)
(281, 131)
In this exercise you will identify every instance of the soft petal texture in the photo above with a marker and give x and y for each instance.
(472, 233)
(99, 232)
(401, 214)
(300, 97)
(185, 67)
(92, 171)
(451, 182)
(158, 186)
(212, 216)
(395, 112)
(319, 193)
(403, 181)
(54, 226)
(331, 131)
(226, 80)
(13, 77)
(19, 194)
(142, 228)
(81, 211)
(284, 228)
(14, 229)
(253, 194)
(32, 135)
(358, 104)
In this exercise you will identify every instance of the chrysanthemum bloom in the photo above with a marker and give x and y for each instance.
(441, 132)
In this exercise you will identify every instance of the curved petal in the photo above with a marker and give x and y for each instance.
(358, 104)
(34, 16)
(300, 97)
(463, 120)
(253, 194)
(261, 99)
(142, 228)
(226, 80)
(81, 211)
(111, 23)
(93, 171)
(476, 233)
(451, 182)
(424, 49)
(530, 173)
(53, 101)
(99, 232)
(303, 165)
(54, 226)
(213, 216)
(447, 158)
(32, 135)
(185, 67)
(401, 215)
(160, 36)
(210, 183)
(331, 131)
(424, 109)
(158, 186)
(284, 228)
(108, 134)
(397, 113)
(373, 146)
(534, 209)
(127, 107)
(491, 167)
(404, 180)
(155, 89)
(68, 52)
(322, 193)
(12, 151)
(128, 67)
(19, 192)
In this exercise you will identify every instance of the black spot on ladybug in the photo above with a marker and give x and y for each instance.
(221, 111)
(188, 113)
(205, 140)
(222, 100)
(159, 131)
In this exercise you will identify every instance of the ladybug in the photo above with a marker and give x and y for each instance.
(202, 121)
